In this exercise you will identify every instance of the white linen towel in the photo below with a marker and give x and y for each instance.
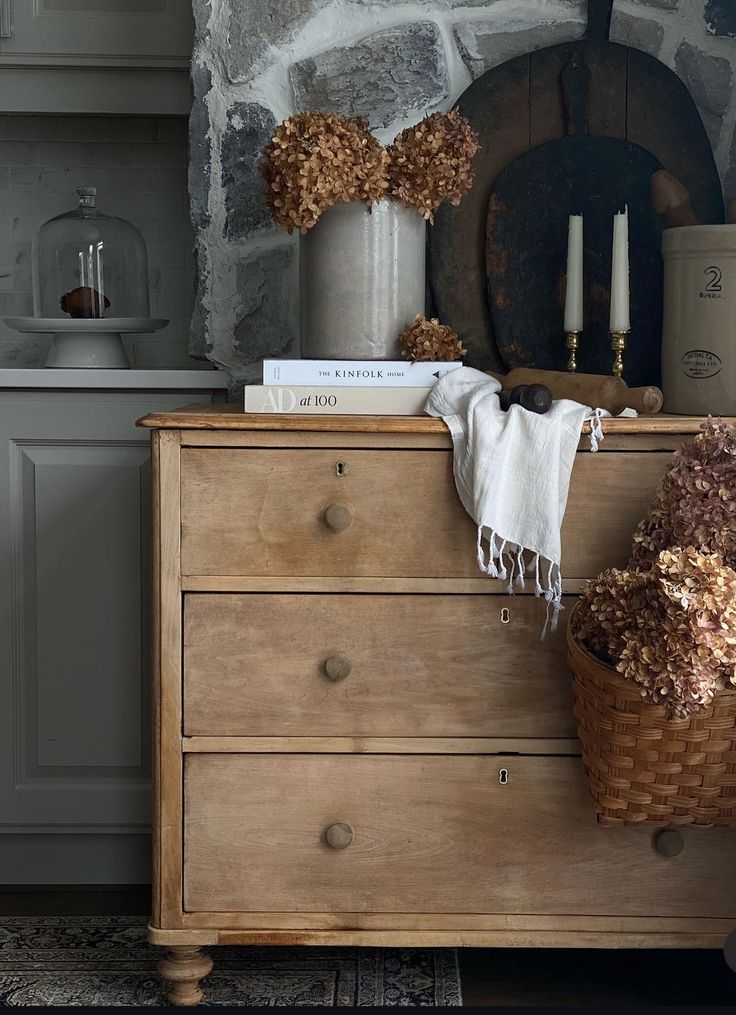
(512, 472)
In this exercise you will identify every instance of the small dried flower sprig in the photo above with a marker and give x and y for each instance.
(696, 500)
(670, 628)
(432, 162)
(315, 160)
(429, 340)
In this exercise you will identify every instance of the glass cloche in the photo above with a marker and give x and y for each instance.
(90, 285)
(89, 265)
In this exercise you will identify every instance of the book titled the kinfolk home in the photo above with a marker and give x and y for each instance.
(354, 373)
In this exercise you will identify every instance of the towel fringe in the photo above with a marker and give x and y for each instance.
(492, 568)
(538, 590)
(502, 571)
(520, 567)
(512, 566)
(596, 429)
(506, 561)
(481, 558)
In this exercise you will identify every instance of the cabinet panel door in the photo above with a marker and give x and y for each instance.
(77, 32)
(74, 609)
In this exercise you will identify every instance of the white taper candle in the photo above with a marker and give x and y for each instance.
(619, 319)
(574, 289)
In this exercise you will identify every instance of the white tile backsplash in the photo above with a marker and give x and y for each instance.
(39, 179)
(47, 128)
(163, 205)
(76, 128)
(31, 352)
(14, 304)
(161, 155)
(176, 280)
(170, 255)
(81, 153)
(138, 165)
(16, 153)
(15, 267)
(137, 181)
(133, 128)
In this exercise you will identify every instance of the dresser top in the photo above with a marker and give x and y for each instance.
(230, 416)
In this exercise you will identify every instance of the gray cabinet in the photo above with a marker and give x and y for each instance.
(95, 56)
(92, 32)
(74, 635)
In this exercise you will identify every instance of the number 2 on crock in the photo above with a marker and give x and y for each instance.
(714, 277)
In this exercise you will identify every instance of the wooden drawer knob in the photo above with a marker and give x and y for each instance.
(339, 835)
(337, 667)
(669, 842)
(338, 517)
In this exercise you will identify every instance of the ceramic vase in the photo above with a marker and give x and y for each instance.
(361, 279)
(699, 326)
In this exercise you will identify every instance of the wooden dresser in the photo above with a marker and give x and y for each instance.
(361, 740)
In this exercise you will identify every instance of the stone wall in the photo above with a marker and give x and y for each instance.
(257, 61)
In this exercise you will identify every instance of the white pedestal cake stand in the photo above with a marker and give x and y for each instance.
(92, 343)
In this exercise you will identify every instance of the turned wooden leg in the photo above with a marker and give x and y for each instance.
(183, 967)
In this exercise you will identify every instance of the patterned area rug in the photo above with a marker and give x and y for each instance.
(77, 960)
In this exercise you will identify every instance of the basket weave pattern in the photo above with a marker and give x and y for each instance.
(645, 769)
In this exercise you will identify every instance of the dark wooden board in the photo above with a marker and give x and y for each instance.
(606, 101)
(456, 245)
(518, 105)
(526, 241)
(527, 248)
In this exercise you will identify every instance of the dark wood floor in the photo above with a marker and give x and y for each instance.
(509, 976)
(500, 976)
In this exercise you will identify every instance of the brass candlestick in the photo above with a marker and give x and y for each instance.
(619, 340)
(572, 342)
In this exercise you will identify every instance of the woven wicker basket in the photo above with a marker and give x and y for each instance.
(645, 769)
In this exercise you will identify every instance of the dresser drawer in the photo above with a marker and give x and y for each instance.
(373, 665)
(429, 834)
(287, 512)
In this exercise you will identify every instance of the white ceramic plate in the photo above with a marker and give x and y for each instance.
(58, 325)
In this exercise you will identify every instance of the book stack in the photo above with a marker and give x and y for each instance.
(345, 387)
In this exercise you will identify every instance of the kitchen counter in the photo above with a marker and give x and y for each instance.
(40, 378)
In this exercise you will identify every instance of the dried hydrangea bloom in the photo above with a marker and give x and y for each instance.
(670, 628)
(606, 605)
(432, 162)
(315, 160)
(695, 504)
(429, 340)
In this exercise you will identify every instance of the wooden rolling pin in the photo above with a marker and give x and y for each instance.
(600, 391)
(671, 200)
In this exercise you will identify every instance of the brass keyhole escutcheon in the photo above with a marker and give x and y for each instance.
(503, 776)
(505, 616)
(340, 469)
